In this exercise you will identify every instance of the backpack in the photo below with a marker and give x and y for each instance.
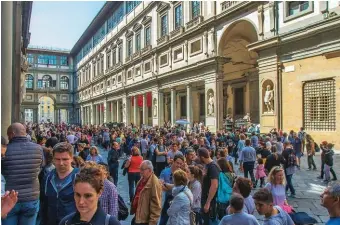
(225, 188)
(291, 161)
(123, 211)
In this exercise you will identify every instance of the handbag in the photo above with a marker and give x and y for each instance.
(192, 214)
(287, 208)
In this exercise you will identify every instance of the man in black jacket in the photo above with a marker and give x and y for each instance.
(113, 161)
(21, 166)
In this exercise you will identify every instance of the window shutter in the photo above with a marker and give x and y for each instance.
(54, 83)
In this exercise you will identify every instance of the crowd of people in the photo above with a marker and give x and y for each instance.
(55, 174)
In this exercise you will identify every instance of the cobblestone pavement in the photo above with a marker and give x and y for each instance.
(308, 189)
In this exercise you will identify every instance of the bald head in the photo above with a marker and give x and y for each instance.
(16, 130)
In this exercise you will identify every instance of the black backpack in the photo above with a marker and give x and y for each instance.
(291, 160)
(123, 211)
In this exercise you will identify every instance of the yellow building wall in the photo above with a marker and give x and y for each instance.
(309, 69)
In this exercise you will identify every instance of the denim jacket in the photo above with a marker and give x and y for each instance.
(180, 208)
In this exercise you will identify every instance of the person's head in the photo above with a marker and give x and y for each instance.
(236, 202)
(180, 178)
(190, 155)
(77, 162)
(242, 186)
(63, 156)
(302, 129)
(195, 173)
(48, 155)
(260, 161)
(81, 147)
(268, 145)
(263, 199)
(204, 155)
(218, 155)
(330, 146)
(83, 136)
(247, 142)
(3, 146)
(242, 137)
(276, 176)
(330, 198)
(16, 130)
(201, 142)
(175, 146)
(146, 169)
(135, 151)
(88, 187)
(287, 144)
(93, 151)
(224, 165)
(178, 162)
(253, 133)
(115, 145)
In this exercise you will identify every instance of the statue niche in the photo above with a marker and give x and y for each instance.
(268, 97)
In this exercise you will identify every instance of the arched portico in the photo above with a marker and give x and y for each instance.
(240, 75)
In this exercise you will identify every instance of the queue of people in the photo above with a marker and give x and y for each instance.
(174, 177)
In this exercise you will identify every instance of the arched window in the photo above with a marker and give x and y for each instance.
(46, 81)
(64, 82)
(29, 81)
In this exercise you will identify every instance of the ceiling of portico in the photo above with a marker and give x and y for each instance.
(234, 45)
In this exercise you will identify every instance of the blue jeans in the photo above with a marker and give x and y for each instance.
(133, 179)
(289, 184)
(114, 167)
(248, 167)
(23, 213)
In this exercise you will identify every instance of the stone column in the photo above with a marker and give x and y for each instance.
(105, 111)
(189, 107)
(160, 108)
(118, 111)
(135, 110)
(99, 114)
(145, 110)
(35, 115)
(91, 114)
(126, 110)
(214, 106)
(173, 106)
(113, 118)
(82, 114)
(6, 64)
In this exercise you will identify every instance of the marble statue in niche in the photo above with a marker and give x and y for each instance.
(211, 104)
(155, 107)
(269, 99)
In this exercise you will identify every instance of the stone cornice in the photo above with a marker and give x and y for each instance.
(162, 6)
(146, 20)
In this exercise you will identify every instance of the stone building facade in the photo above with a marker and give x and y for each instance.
(150, 62)
(50, 76)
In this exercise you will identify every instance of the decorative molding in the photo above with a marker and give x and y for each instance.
(162, 6)
(136, 54)
(108, 49)
(146, 49)
(129, 33)
(119, 41)
(160, 40)
(177, 31)
(272, 16)
(194, 22)
(146, 20)
(260, 17)
(113, 45)
(137, 27)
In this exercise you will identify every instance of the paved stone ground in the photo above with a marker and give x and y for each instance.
(308, 189)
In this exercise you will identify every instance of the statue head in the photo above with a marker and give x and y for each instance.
(211, 94)
(268, 87)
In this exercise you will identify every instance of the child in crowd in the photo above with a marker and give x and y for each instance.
(329, 162)
(236, 214)
(260, 173)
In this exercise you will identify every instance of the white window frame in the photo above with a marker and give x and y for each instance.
(167, 60)
(197, 52)
(173, 53)
(287, 17)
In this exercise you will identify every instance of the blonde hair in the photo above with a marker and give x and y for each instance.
(135, 151)
(273, 172)
(95, 148)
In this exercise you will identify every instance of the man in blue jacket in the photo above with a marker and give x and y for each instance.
(20, 167)
(59, 193)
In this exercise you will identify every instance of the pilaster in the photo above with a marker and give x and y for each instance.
(173, 106)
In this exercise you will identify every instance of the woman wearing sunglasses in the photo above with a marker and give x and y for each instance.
(88, 187)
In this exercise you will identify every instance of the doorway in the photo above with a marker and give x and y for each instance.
(239, 103)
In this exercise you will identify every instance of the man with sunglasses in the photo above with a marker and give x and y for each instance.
(330, 199)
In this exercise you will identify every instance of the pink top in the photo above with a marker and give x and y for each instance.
(259, 173)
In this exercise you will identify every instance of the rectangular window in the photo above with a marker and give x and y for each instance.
(137, 72)
(30, 58)
(195, 46)
(63, 60)
(319, 105)
(130, 5)
(129, 74)
(120, 54)
(114, 57)
(119, 78)
(296, 7)
(147, 35)
(195, 9)
(147, 66)
(108, 60)
(129, 47)
(178, 54)
(102, 65)
(164, 25)
(94, 69)
(178, 16)
(138, 42)
(40, 83)
(164, 59)
(99, 35)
